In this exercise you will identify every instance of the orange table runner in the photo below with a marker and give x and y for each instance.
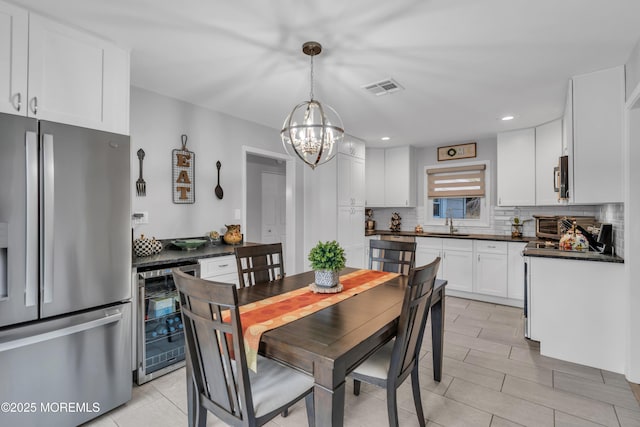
(270, 313)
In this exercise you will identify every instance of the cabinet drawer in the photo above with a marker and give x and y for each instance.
(491, 246)
(429, 242)
(457, 244)
(211, 267)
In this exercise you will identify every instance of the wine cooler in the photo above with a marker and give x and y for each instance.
(160, 330)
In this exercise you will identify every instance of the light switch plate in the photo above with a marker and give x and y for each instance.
(140, 218)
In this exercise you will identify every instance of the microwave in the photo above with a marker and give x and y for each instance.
(550, 227)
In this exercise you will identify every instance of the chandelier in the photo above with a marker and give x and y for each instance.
(312, 131)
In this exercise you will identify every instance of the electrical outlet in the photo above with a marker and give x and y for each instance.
(236, 214)
(140, 218)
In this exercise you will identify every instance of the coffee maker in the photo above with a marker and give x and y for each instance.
(605, 238)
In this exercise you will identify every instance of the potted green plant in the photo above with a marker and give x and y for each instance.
(327, 259)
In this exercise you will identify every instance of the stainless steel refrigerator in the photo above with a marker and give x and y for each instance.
(65, 273)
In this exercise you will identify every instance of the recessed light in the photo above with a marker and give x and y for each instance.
(506, 118)
(385, 138)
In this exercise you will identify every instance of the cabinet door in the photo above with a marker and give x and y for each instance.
(14, 30)
(515, 270)
(426, 256)
(344, 181)
(516, 168)
(598, 106)
(548, 150)
(76, 78)
(491, 274)
(400, 177)
(357, 181)
(344, 226)
(457, 269)
(375, 177)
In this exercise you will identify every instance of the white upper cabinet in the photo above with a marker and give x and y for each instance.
(516, 168)
(14, 33)
(53, 72)
(548, 151)
(374, 173)
(77, 78)
(351, 174)
(390, 177)
(352, 147)
(598, 106)
(400, 179)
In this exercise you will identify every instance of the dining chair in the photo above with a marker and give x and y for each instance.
(388, 255)
(390, 365)
(218, 379)
(259, 263)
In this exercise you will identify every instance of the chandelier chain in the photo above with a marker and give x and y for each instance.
(311, 80)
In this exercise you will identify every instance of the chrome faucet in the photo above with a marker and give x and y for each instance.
(449, 221)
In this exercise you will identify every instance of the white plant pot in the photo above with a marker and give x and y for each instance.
(326, 278)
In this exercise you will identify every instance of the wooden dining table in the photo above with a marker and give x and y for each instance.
(330, 343)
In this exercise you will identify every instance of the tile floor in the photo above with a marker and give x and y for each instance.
(492, 377)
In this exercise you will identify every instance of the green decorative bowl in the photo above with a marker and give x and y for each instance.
(189, 244)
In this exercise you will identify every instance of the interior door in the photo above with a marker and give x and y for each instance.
(273, 208)
(85, 217)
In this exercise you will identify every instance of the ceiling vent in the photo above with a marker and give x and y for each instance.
(383, 87)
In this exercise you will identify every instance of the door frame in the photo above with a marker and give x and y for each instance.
(290, 212)
(631, 154)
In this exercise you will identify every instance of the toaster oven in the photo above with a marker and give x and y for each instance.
(550, 227)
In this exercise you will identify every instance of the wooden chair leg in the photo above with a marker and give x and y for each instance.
(392, 406)
(356, 387)
(417, 399)
(311, 412)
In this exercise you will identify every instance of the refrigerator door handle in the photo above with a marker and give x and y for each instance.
(31, 264)
(47, 218)
(47, 336)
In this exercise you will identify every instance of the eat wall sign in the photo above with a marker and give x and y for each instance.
(183, 174)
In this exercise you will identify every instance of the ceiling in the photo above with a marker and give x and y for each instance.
(463, 63)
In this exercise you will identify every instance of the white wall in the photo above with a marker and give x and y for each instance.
(156, 125)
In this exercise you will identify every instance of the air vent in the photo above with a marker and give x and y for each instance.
(383, 87)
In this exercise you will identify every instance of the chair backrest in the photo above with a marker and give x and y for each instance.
(213, 338)
(388, 255)
(259, 263)
(413, 318)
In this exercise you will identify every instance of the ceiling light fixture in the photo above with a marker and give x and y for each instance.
(385, 138)
(312, 130)
(506, 118)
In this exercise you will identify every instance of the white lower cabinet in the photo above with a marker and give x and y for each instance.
(515, 270)
(219, 269)
(456, 260)
(491, 268)
(478, 269)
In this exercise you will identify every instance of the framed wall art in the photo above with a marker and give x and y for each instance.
(455, 152)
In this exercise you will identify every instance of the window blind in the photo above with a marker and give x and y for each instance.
(460, 181)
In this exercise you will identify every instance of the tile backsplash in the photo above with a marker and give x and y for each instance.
(500, 219)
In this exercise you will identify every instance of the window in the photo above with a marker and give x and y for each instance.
(456, 192)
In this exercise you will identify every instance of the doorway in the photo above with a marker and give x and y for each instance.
(269, 207)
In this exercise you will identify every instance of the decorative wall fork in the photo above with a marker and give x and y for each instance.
(141, 186)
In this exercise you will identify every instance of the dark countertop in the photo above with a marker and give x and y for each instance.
(531, 250)
(172, 254)
(497, 237)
